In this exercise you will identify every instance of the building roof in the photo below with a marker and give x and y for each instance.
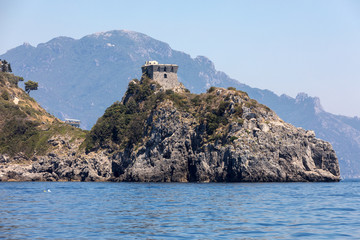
(71, 120)
(147, 63)
(150, 63)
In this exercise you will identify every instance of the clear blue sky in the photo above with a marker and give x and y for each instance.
(310, 46)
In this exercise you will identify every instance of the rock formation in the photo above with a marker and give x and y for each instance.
(154, 135)
(256, 146)
(74, 75)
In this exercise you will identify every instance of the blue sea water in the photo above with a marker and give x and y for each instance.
(72, 210)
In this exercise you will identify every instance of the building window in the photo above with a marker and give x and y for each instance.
(172, 69)
(164, 69)
(165, 75)
(158, 69)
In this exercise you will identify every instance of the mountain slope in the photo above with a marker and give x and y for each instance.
(80, 78)
(26, 129)
(75, 75)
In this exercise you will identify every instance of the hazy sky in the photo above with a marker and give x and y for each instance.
(284, 46)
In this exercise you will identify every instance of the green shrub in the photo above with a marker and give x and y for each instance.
(251, 103)
(231, 88)
(211, 89)
(169, 92)
(122, 125)
(196, 100)
(213, 122)
(209, 99)
(179, 100)
(238, 111)
(132, 88)
(5, 95)
(233, 138)
(222, 108)
(265, 107)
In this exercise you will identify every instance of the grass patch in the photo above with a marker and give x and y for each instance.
(21, 127)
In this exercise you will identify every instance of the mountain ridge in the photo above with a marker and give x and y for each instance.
(74, 75)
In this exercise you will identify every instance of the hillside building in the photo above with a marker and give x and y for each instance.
(73, 122)
(164, 74)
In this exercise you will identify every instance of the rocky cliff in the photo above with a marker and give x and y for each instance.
(74, 75)
(221, 135)
(167, 136)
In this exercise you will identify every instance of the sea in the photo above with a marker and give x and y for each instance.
(94, 210)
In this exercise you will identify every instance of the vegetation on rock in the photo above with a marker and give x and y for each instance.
(30, 86)
(156, 135)
(124, 123)
(24, 126)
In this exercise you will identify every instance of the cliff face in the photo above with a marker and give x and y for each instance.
(272, 151)
(163, 136)
(219, 136)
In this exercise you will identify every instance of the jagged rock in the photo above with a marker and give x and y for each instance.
(176, 147)
(278, 153)
(168, 136)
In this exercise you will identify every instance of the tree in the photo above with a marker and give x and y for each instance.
(30, 85)
(4, 67)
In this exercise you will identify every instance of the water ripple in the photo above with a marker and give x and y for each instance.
(180, 211)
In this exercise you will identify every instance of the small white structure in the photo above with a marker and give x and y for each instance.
(16, 101)
(147, 63)
(73, 122)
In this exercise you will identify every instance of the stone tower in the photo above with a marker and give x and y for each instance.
(164, 74)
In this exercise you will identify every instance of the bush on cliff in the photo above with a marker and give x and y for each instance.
(124, 124)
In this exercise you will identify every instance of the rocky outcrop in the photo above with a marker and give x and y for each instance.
(164, 136)
(260, 152)
(63, 163)
(220, 136)
(174, 152)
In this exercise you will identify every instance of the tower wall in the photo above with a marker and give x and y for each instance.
(164, 74)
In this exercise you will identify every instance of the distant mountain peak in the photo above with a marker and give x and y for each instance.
(125, 33)
(302, 98)
(26, 44)
(206, 61)
(57, 42)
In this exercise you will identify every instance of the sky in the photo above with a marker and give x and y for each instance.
(310, 46)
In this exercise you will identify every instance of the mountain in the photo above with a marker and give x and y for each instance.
(79, 78)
